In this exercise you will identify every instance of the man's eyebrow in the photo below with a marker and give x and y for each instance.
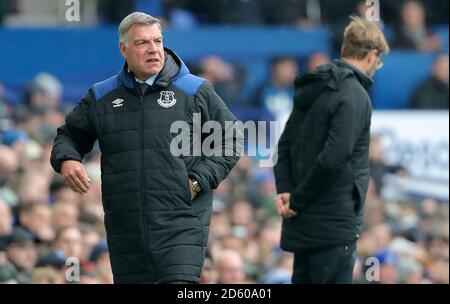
(148, 39)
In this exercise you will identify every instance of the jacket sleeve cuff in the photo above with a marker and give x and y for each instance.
(201, 181)
(57, 162)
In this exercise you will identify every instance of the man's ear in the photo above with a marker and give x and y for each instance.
(123, 49)
(372, 57)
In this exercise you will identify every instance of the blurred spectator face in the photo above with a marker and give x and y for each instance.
(414, 277)
(230, 268)
(381, 236)
(429, 207)
(284, 72)
(6, 219)
(208, 274)
(244, 166)
(220, 225)
(144, 51)
(46, 275)
(65, 215)
(214, 69)
(23, 255)
(388, 274)
(440, 69)
(438, 271)
(38, 219)
(88, 279)
(358, 274)
(241, 213)
(33, 188)
(413, 15)
(270, 236)
(241, 218)
(90, 239)
(104, 269)
(66, 194)
(8, 164)
(46, 91)
(316, 60)
(375, 150)
(69, 241)
(234, 243)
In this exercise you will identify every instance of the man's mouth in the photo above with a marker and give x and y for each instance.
(152, 61)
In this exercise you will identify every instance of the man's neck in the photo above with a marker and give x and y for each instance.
(150, 80)
(357, 64)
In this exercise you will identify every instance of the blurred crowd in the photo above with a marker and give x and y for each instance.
(191, 13)
(42, 222)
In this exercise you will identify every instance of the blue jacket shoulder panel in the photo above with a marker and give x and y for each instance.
(102, 88)
(189, 83)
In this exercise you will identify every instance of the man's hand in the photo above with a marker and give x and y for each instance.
(75, 176)
(282, 205)
(193, 193)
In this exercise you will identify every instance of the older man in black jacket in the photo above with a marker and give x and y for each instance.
(157, 198)
(322, 172)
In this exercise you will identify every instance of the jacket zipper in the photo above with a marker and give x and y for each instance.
(141, 171)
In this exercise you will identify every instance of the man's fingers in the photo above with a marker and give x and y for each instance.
(78, 182)
(290, 213)
(72, 185)
(84, 178)
(279, 206)
(79, 185)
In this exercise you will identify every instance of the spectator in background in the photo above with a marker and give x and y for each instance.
(286, 12)
(438, 271)
(6, 220)
(388, 267)
(65, 214)
(113, 11)
(179, 14)
(242, 12)
(21, 251)
(45, 275)
(276, 95)
(9, 165)
(432, 94)
(33, 188)
(45, 92)
(230, 268)
(378, 168)
(317, 59)
(209, 274)
(222, 76)
(37, 218)
(413, 32)
(100, 256)
(68, 240)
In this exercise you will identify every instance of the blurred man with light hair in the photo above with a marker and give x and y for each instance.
(230, 268)
(322, 173)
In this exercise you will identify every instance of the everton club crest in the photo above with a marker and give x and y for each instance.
(167, 99)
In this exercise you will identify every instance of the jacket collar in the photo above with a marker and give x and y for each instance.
(363, 78)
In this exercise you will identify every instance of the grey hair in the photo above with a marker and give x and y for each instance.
(132, 19)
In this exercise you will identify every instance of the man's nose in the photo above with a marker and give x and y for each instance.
(151, 48)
